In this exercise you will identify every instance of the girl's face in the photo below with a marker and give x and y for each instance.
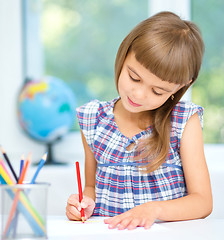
(140, 90)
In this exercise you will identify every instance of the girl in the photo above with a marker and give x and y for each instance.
(144, 157)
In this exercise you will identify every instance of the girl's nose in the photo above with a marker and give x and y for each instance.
(139, 92)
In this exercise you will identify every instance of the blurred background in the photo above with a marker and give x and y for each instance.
(75, 42)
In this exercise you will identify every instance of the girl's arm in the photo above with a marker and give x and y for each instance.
(198, 202)
(73, 207)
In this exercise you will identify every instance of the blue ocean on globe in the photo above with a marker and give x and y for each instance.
(46, 109)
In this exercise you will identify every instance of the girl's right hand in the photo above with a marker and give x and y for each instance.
(73, 208)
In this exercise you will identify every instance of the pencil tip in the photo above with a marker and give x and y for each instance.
(29, 156)
(45, 157)
(22, 157)
(83, 219)
(2, 149)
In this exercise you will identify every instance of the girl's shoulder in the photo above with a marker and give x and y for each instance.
(90, 114)
(96, 107)
(180, 115)
(182, 111)
(186, 108)
(88, 107)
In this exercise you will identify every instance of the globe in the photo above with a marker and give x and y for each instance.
(46, 109)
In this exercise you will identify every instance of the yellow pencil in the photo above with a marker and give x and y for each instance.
(5, 169)
(5, 176)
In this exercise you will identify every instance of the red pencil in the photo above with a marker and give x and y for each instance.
(80, 190)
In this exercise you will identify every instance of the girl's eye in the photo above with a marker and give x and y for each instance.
(156, 93)
(134, 79)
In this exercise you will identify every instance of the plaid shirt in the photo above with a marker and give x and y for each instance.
(120, 185)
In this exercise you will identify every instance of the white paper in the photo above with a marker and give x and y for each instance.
(93, 226)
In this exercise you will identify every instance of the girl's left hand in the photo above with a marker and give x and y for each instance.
(141, 216)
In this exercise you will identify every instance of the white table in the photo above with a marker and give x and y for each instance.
(95, 229)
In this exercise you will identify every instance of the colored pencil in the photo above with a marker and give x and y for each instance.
(5, 176)
(40, 165)
(13, 209)
(23, 173)
(21, 165)
(15, 220)
(6, 171)
(80, 189)
(9, 163)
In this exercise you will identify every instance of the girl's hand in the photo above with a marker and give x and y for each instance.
(141, 216)
(73, 208)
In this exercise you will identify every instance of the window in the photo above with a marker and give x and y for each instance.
(79, 40)
(208, 90)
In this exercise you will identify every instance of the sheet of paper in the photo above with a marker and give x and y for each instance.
(93, 226)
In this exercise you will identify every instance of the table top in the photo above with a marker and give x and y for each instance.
(94, 228)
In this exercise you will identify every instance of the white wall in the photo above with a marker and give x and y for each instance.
(11, 74)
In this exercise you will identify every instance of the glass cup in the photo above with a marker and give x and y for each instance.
(24, 211)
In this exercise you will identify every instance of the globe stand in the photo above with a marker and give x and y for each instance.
(50, 159)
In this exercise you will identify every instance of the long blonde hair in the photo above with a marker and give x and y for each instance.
(172, 49)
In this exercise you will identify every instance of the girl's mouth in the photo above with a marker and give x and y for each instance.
(133, 104)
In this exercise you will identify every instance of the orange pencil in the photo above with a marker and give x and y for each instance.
(27, 163)
(80, 190)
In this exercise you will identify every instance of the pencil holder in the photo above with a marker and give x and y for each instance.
(24, 211)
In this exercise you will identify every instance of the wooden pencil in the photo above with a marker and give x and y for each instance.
(80, 190)
(40, 165)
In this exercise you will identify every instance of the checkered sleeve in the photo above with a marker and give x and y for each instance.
(181, 114)
(88, 119)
